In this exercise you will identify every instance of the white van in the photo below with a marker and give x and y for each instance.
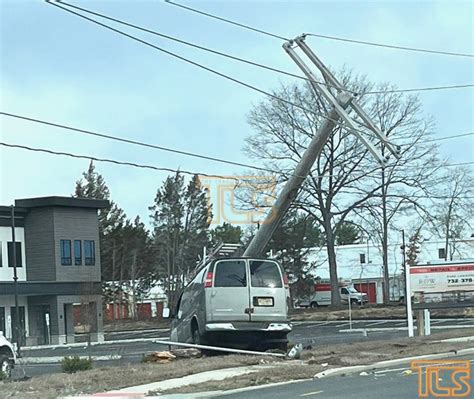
(239, 302)
(7, 356)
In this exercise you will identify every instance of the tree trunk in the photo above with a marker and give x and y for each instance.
(335, 295)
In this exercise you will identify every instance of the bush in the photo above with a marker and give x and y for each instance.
(75, 363)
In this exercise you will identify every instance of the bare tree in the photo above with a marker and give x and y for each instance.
(402, 178)
(345, 176)
(454, 209)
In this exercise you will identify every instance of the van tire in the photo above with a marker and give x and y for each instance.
(313, 305)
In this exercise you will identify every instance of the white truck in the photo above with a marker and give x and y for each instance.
(7, 356)
(322, 296)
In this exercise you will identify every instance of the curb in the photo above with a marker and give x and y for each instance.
(58, 359)
(388, 363)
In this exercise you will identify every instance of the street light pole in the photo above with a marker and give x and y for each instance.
(15, 283)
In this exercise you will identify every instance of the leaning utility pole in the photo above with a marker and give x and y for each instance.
(340, 102)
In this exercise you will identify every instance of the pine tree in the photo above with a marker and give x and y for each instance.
(181, 218)
(226, 233)
(413, 248)
(111, 220)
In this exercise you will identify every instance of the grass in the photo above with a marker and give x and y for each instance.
(102, 379)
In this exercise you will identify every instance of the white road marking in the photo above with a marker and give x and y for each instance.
(377, 323)
(312, 393)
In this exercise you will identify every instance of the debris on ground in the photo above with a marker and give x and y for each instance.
(295, 352)
(186, 353)
(159, 357)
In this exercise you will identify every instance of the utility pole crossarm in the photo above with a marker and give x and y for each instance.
(332, 81)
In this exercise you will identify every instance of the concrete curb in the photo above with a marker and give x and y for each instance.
(143, 390)
(57, 359)
(389, 363)
(84, 344)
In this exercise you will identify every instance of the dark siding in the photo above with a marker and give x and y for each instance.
(39, 239)
(76, 224)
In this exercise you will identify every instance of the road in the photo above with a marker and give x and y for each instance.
(314, 333)
(391, 383)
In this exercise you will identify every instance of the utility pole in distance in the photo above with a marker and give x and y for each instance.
(16, 332)
(406, 269)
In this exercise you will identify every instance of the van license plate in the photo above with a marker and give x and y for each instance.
(267, 301)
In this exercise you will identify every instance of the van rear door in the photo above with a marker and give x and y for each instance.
(267, 291)
(229, 294)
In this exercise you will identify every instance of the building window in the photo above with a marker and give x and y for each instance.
(66, 253)
(362, 258)
(1, 260)
(77, 252)
(89, 252)
(441, 253)
(18, 254)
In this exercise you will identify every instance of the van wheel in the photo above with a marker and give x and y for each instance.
(196, 337)
(313, 305)
(6, 366)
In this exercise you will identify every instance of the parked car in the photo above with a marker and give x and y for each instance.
(7, 357)
(236, 302)
(322, 296)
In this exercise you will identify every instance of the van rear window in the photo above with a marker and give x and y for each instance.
(230, 274)
(265, 274)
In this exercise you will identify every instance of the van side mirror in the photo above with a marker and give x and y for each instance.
(166, 313)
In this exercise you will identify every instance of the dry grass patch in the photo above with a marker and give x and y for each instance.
(112, 378)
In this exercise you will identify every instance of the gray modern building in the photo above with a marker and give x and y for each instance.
(58, 268)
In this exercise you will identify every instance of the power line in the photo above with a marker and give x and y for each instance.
(228, 77)
(108, 160)
(420, 50)
(129, 141)
(319, 35)
(263, 32)
(203, 48)
(450, 137)
(271, 95)
(256, 64)
(172, 150)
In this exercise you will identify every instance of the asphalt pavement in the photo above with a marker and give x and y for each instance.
(390, 383)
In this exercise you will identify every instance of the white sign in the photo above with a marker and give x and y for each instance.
(442, 278)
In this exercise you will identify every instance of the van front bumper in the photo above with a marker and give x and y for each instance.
(243, 326)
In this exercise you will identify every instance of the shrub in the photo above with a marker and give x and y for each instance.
(75, 363)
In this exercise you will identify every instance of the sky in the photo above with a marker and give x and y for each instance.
(57, 67)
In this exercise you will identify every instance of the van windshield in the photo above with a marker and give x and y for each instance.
(230, 273)
(265, 274)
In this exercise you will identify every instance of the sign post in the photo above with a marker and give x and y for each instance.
(408, 300)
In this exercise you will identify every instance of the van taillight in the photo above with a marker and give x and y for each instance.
(208, 282)
(285, 280)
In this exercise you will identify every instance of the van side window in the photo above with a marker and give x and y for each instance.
(230, 274)
(344, 291)
(265, 274)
